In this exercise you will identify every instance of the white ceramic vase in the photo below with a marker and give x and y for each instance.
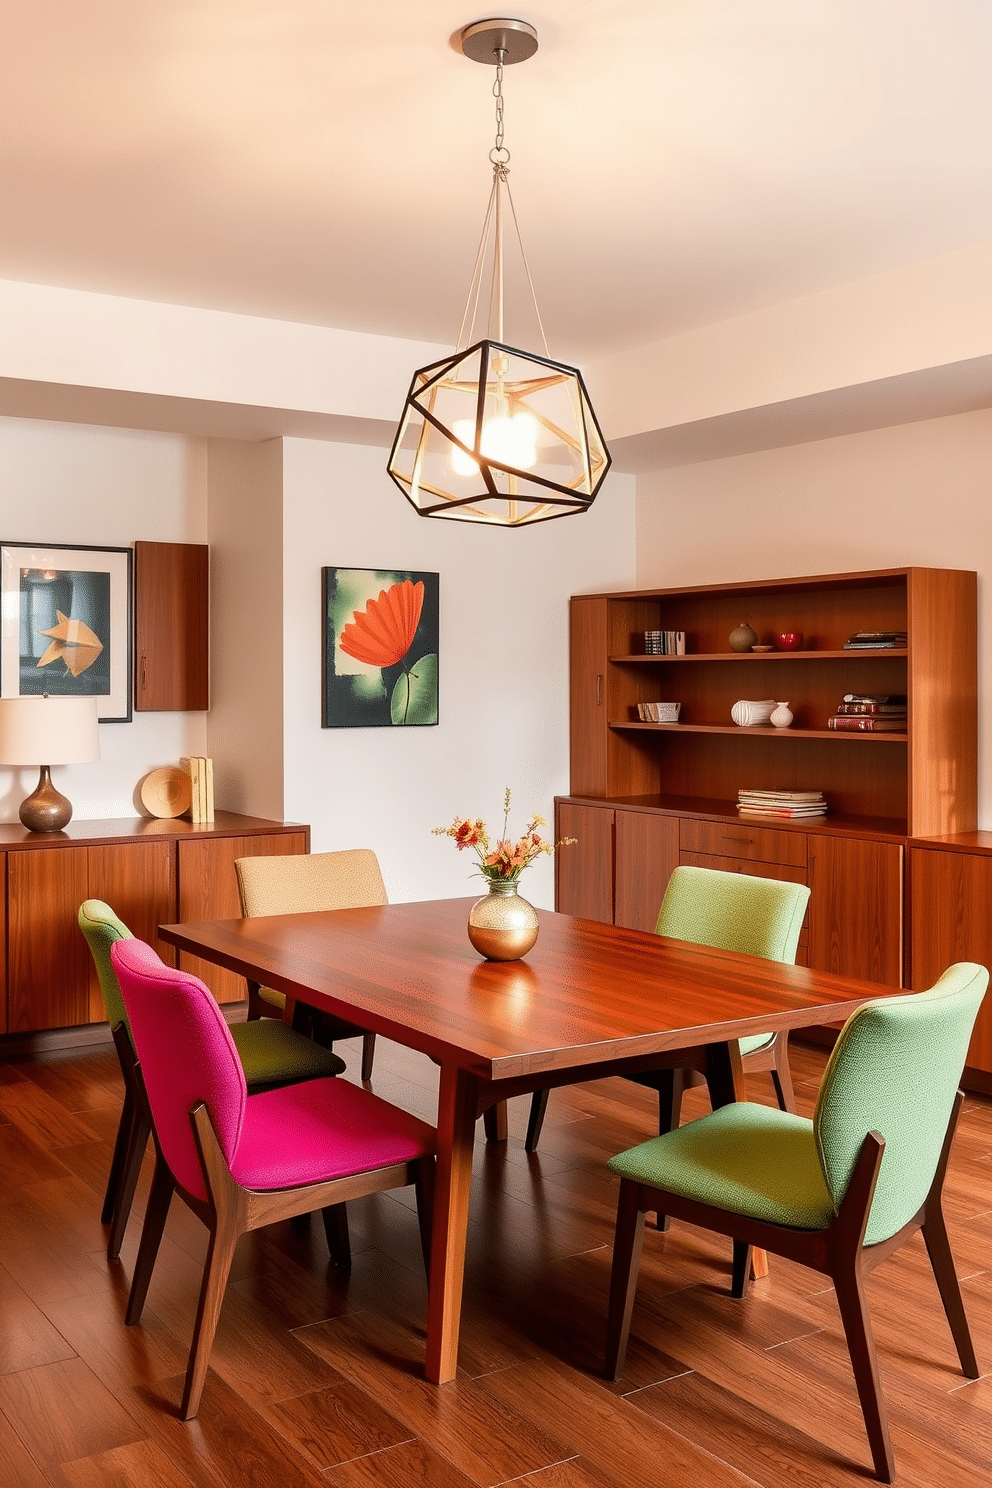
(747, 713)
(782, 716)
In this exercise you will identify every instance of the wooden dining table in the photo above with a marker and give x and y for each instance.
(589, 1000)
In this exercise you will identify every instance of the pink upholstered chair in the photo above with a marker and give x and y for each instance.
(241, 1161)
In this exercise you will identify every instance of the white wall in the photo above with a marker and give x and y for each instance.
(916, 494)
(69, 483)
(503, 666)
(244, 725)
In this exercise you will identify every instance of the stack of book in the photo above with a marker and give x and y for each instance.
(201, 779)
(870, 713)
(876, 640)
(658, 712)
(664, 643)
(790, 805)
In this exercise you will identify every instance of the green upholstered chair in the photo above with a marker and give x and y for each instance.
(838, 1193)
(303, 884)
(272, 1055)
(732, 912)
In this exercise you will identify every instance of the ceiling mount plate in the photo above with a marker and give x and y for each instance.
(482, 40)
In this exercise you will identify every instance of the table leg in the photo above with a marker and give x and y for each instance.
(725, 1079)
(457, 1108)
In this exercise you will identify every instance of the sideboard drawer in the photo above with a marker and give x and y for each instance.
(742, 840)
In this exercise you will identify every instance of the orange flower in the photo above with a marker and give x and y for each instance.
(383, 632)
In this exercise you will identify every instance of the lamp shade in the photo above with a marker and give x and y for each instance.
(48, 730)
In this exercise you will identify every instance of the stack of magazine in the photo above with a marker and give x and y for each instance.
(781, 804)
(876, 640)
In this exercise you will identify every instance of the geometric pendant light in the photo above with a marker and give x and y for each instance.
(491, 433)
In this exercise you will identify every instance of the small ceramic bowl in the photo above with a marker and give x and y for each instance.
(790, 640)
(762, 648)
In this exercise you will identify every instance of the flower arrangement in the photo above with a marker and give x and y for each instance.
(504, 861)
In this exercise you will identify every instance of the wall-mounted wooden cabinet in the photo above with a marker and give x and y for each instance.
(150, 872)
(171, 627)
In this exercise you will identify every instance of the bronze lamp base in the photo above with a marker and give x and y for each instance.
(45, 809)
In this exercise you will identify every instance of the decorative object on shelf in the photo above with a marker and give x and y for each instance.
(742, 637)
(66, 624)
(789, 640)
(781, 716)
(494, 434)
(762, 648)
(502, 926)
(58, 731)
(790, 805)
(659, 712)
(380, 648)
(166, 792)
(748, 714)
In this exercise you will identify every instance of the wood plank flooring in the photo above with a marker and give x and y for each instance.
(317, 1379)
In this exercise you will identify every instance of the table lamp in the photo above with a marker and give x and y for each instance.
(59, 730)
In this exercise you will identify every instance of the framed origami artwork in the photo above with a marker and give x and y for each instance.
(65, 624)
(380, 652)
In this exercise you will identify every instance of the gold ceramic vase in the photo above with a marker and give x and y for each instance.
(501, 925)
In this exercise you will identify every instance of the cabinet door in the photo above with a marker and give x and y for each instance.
(48, 959)
(171, 627)
(855, 908)
(647, 851)
(587, 695)
(208, 890)
(949, 896)
(138, 881)
(584, 873)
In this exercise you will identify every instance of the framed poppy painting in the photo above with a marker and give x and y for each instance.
(380, 648)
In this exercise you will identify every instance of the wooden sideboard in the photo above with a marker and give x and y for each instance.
(646, 797)
(150, 871)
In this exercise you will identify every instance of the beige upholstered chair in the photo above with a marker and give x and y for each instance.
(306, 884)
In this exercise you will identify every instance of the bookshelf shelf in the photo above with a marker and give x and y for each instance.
(638, 659)
(762, 731)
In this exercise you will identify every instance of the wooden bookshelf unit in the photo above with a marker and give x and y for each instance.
(645, 797)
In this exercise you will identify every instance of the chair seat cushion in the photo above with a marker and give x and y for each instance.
(756, 1041)
(742, 1158)
(274, 1054)
(320, 1130)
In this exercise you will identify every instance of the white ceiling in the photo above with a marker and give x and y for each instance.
(675, 162)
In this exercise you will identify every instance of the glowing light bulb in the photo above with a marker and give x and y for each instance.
(511, 441)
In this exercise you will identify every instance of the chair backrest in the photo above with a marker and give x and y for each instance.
(186, 1055)
(895, 1070)
(309, 882)
(102, 928)
(734, 912)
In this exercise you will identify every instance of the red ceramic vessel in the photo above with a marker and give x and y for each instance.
(789, 640)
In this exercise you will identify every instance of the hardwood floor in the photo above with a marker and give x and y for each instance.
(318, 1379)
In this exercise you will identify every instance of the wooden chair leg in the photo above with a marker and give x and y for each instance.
(494, 1122)
(368, 1055)
(335, 1218)
(782, 1075)
(538, 1107)
(220, 1253)
(424, 1188)
(627, 1244)
(151, 1238)
(140, 1131)
(741, 1269)
(945, 1275)
(117, 1161)
(849, 1287)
